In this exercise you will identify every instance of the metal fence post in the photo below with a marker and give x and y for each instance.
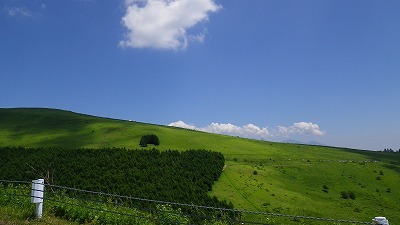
(37, 194)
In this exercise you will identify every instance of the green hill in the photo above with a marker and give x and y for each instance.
(261, 176)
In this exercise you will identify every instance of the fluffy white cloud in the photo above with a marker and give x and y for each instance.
(253, 131)
(249, 130)
(223, 128)
(182, 124)
(301, 128)
(163, 24)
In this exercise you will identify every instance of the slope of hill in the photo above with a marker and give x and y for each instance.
(264, 176)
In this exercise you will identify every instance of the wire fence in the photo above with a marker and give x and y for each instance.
(104, 208)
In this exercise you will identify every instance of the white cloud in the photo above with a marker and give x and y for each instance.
(222, 128)
(249, 130)
(182, 124)
(253, 131)
(18, 11)
(301, 128)
(163, 24)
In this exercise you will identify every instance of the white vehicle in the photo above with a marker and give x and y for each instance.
(380, 220)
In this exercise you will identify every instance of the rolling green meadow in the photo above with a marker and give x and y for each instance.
(282, 178)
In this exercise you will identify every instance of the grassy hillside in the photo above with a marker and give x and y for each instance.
(263, 176)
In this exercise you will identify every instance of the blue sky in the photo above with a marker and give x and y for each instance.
(309, 70)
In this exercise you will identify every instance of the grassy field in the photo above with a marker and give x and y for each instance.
(262, 176)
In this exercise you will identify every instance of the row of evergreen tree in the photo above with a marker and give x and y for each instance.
(183, 177)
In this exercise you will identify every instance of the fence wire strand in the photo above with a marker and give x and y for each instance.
(97, 197)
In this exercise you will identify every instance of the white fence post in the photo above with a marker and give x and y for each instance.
(37, 194)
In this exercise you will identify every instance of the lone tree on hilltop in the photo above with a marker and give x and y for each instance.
(149, 139)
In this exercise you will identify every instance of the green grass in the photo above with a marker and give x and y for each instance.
(16, 208)
(13, 216)
(289, 178)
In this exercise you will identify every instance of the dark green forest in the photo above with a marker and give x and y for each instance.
(183, 177)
